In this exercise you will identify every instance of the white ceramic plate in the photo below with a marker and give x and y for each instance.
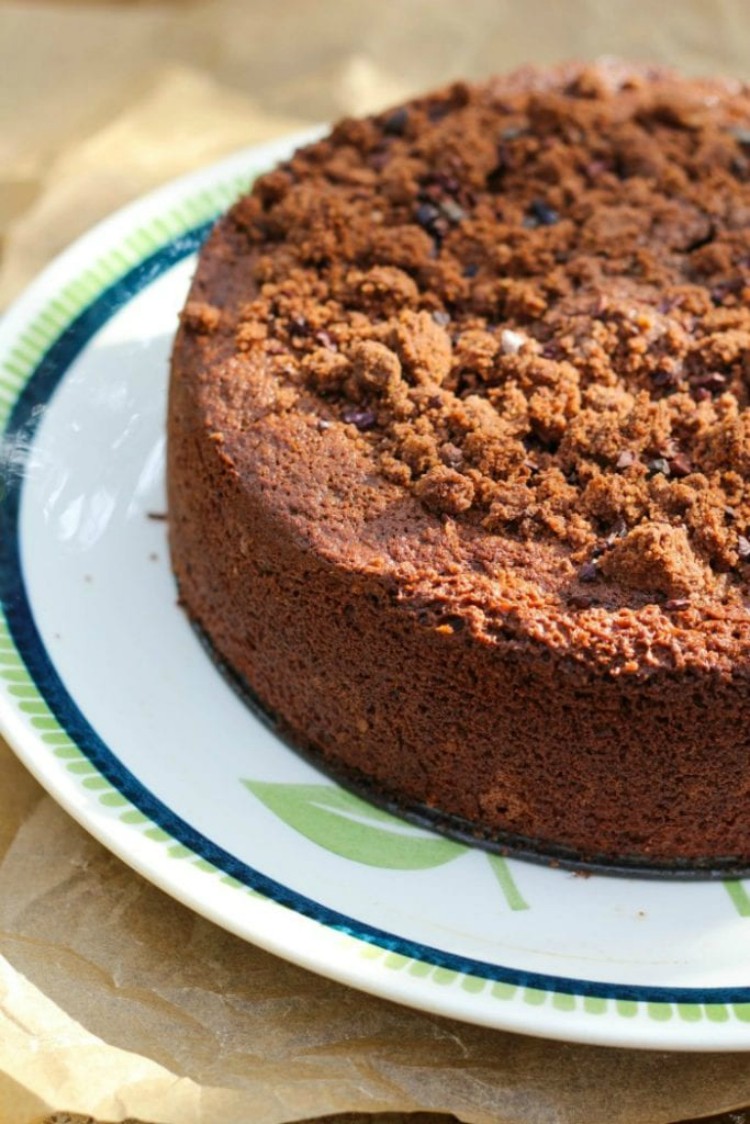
(109, 699)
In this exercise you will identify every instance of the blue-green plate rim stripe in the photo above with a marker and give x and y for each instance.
(31, 382)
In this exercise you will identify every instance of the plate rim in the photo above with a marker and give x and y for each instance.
(173, 216)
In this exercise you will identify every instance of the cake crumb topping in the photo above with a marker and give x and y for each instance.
(532, 303)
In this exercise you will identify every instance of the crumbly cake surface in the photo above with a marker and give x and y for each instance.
(525, 304)
(459, 456)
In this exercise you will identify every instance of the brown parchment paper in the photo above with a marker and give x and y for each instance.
(114, 1000)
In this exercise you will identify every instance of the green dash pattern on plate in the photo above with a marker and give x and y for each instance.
(18, 683)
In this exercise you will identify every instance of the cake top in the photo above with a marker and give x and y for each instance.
(526, 303)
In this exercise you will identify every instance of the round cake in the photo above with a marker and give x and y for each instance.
(459, 460)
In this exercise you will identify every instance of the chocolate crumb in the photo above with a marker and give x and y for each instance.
(445, 491)
(594, 376)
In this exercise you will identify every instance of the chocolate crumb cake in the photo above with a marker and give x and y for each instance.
(459, 460)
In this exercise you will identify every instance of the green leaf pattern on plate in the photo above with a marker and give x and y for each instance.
(353, 829)
(342, 823)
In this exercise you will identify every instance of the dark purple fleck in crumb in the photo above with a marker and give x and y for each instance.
(580, 601)
(362, 419)
(553, 351)
(496, 176)
(471, 270)
(438, 110)
(664, 378)
(674, 604)
(426, 214)
(541, 214)
(739, 167)
(714, 382)
(396, 122)
(743, 547)
(378, 159)
(679, 465)
(728, 288)
(450, 184)
(588, 572)
(298, 326)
